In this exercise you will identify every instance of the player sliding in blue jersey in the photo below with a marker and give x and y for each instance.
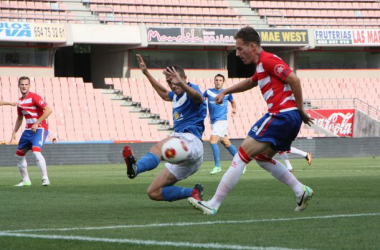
(189, 112)
(219, 124)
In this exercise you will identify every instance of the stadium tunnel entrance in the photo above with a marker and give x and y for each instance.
(73, 61)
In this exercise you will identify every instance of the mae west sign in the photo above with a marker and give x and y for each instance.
(337, 121)
(32, 32)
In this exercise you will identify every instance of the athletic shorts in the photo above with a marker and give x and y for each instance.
(194, 160)
(219, 128)
(279, 129)
(30, 140)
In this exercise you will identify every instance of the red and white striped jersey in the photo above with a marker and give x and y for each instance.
(271, 72)
(32, 107)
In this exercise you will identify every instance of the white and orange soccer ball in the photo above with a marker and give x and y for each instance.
(175, 150)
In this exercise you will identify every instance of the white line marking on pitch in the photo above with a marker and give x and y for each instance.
(145, 242)
(181, 224)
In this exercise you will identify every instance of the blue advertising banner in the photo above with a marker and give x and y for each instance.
(32, 32)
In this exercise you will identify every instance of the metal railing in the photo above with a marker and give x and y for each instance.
(343, 103)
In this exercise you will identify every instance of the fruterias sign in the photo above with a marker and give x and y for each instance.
(32, 32)
(344, 37)
(224, 37)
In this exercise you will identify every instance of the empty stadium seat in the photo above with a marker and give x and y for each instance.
(327, 13)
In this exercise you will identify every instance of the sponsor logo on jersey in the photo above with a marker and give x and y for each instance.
(255, 128)
(279, 69)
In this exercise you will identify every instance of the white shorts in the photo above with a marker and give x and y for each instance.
(194, 160)
(219, 128)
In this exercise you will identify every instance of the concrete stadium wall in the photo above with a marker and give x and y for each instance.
(27, 71)
(70, 154)
(365, 126)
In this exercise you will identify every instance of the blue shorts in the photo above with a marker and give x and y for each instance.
(32, 140)
(279, 129)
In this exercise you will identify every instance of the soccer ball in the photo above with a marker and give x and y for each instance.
(174, 150)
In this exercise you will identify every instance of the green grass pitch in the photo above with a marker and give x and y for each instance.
(98, 207)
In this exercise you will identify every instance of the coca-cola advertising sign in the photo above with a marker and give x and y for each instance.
(338, 121)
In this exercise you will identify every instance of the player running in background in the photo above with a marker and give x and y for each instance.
(189, 112)
(7, 103)
(275, 131)
(284, 156)
(219, 124)
(36, 111)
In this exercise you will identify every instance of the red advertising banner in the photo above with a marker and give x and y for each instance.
(337, 121)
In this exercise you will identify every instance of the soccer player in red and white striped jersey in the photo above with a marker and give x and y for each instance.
(275, 131)
(36, 111)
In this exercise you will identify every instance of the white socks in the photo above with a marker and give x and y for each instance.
(284, 156)
(298, 152)
(22, 166)
(41, 163)
(230, 178)
(280, 172)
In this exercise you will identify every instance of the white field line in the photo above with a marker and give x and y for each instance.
(182, 224)
(144, 242)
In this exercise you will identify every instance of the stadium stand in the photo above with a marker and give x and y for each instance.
(242, 122)
(35, 11)
(173, 12)
(82, 113)
(95, 116)
(321, 14)
(218, 13)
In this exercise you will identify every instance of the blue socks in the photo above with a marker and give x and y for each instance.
(173, 193)
(148, 162)
(215, 151)
(232, 150)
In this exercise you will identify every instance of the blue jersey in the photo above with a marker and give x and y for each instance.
(218, 112)
(188, 116)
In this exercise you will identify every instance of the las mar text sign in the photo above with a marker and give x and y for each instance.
(215, 36)
(32, 32)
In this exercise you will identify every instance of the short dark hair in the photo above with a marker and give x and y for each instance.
(248, 35)
(220, 75)
(23, 78)
(179, 69)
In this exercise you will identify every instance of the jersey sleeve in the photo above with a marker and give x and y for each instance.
(39, 101)
(230, 98)
(254, 78)
(205, 94)
(19, 111)
(276, 67)
(196, 87)
(171, 95)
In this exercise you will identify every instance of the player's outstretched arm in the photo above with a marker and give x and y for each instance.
(7, 103)
(161, 90)
(239, 87)
(233, 104)
(295, 84)
(177, 80)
